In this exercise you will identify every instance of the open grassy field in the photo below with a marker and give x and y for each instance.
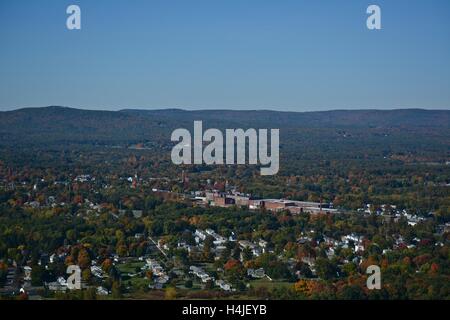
(130, 267)
(264, 282)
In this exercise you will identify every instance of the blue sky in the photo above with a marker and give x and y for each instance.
(239, 54)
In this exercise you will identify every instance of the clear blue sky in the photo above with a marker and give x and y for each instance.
(243, 54)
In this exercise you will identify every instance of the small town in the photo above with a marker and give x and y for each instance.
(165, 259)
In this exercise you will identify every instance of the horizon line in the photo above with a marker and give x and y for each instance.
(188, 109)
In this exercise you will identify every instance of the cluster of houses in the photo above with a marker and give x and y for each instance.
(256, 273)
(160, 277)
(200, 273)
(256, 248)
(351, 241)
(390, 210)
(201, 235)
(96, 271)
(204, 277)
(60, 285)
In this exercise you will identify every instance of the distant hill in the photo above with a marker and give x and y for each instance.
(68, 125)
(335, 118)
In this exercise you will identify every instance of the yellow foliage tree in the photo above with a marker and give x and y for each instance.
(170, 293)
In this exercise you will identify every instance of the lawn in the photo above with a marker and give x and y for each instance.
(130, 267)
(264, 282)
